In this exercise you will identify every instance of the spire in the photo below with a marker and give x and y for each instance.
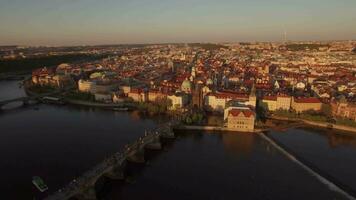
(253, 91)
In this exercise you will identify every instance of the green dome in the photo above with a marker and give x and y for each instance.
(96, 75)
(186, 86)
(209, 81)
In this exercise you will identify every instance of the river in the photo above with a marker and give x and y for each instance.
(59, 143)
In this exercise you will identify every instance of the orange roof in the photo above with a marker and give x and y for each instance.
(307, 100)
(230, 95)
(271, 98)
(236, 112)
(42, 71)
(136, 90)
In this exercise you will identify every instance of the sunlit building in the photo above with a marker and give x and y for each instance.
(302, 104)
(240, 118)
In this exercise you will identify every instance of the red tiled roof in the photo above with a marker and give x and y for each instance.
(136, 90)
(229, 95)
(307, 100)
(271, 98)
(42, 71)
(236, 112)
(283, 95)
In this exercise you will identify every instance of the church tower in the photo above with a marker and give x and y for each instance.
(252, 98)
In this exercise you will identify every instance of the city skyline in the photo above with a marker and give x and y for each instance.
(92, 22)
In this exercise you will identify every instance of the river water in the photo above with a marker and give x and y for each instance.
(59, 143)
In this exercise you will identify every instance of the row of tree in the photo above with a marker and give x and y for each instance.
(160, 106)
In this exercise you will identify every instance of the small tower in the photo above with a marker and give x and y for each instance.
(171, 65)
(252, 98)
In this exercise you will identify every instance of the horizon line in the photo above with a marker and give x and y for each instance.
(174, 43)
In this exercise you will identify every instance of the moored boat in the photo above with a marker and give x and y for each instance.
(39, 183)
(120, 109)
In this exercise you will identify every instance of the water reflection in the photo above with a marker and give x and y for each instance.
(219, 166)
(238, 145)
(331, 152)
(341, 140)
(335, 138)
(10, 90)
(59, 143)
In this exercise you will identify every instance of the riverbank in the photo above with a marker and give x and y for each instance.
(98, 104)
(14, 76)
(318, 124)
(214, 128)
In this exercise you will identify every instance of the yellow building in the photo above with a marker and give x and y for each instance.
(178, 101)
(283, 102)
(273, 103)
(219, 101)
(240, 119)
(302, 104)
(86, 86)
(344, 109)
(269, 103)
(137, 95)
(155, 95)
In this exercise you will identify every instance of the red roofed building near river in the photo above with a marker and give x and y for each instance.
(301, 104)
(240, 118)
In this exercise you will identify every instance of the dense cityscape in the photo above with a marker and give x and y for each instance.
(244, 87)
(178, 100)
(259, 80)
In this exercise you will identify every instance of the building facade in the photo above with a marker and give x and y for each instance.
(240, 119)
(178, 101)
(303, 104)
(278, 102)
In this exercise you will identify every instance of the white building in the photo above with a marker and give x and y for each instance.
(178, 101)
(86, 86)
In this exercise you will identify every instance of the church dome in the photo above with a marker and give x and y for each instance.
(209, 81)
(186, 86)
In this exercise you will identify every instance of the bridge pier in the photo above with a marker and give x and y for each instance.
(88, 194)
(118, 173)
(154, 145)
(138, 156)
(168, 134)
(25, 102)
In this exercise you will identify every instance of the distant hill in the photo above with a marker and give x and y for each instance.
(208, 46)
(303, 47)
(28, 64)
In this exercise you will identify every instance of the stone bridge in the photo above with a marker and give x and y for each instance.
(25, 100)
(114, 167)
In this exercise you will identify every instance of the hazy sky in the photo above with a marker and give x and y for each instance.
(73, 22)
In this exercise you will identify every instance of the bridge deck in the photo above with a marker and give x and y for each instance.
(90, 177)
(27, 98)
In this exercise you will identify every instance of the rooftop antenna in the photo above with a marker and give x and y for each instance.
(285, 36)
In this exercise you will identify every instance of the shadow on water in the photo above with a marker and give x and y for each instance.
(329, 152)
(317, 167)
(335, 138)
(132, 171)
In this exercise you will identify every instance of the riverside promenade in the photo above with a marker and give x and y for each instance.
(214, 128)
(318, 124)
(99, 105)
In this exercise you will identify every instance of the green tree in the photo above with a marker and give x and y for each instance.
(188, 120)
(326, 110)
